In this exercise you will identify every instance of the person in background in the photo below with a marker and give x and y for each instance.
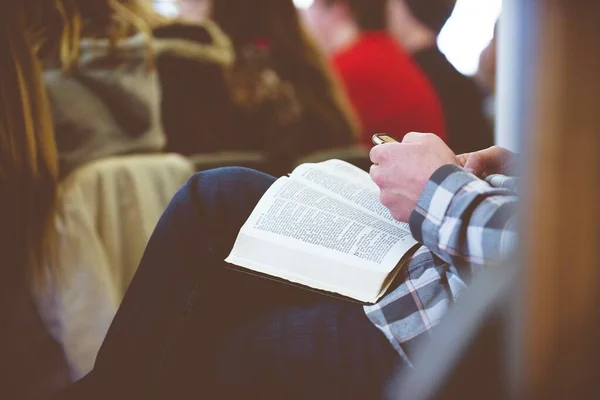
(486, 71)
(105, 99)
(386, 87)
(486, 75)
(32, 364)
(416, 25)
(275, 94)
(193, 61)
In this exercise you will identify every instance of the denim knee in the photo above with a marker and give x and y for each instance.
(229, 184)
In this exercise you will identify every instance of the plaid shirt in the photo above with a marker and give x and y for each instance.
(464, 224)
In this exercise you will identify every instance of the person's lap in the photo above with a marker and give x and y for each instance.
(189, 324)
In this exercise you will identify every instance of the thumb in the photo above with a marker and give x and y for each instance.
(476, 164)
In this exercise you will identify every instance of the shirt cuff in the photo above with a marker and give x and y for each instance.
(425, 221)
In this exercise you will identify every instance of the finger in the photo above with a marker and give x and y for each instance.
(476, 164)
(375, 173)
(414, 137)
(493, 160)
(374, 154)
(381, 176)
(498, 159)
(379, 153)
(462, 159)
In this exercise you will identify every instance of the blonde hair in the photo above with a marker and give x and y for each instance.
(28, 159)
(110, 19)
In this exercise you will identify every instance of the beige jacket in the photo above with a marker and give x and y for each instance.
(106, 215)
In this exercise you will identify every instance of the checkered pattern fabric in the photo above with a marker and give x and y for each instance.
(464, 224)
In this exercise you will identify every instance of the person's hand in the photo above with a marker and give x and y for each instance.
(401, 170)
(494, 160)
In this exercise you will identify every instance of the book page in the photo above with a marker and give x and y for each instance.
(347, 183)
(295, 215)
(311, 270)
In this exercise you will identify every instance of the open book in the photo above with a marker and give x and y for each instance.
(324, 227)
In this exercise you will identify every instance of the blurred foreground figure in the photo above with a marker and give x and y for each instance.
(32, 363)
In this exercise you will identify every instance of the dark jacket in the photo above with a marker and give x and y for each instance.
(217, 98)
(462, 100)
(197, 110)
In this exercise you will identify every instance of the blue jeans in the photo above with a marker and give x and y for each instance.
(191, 327)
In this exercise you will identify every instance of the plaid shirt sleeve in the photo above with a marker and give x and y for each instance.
(463, 224)
(465, 221)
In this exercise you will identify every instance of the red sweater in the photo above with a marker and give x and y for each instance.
(387, 89)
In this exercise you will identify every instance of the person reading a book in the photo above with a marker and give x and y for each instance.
(190, 323)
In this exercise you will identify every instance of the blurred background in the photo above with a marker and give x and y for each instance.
(462, 39)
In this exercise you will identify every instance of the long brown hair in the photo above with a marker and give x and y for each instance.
(28, 157)
(28, 160)
(295, 53)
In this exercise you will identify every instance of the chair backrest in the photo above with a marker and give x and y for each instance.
(355, 155)
(206, 161)
(106, 214)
